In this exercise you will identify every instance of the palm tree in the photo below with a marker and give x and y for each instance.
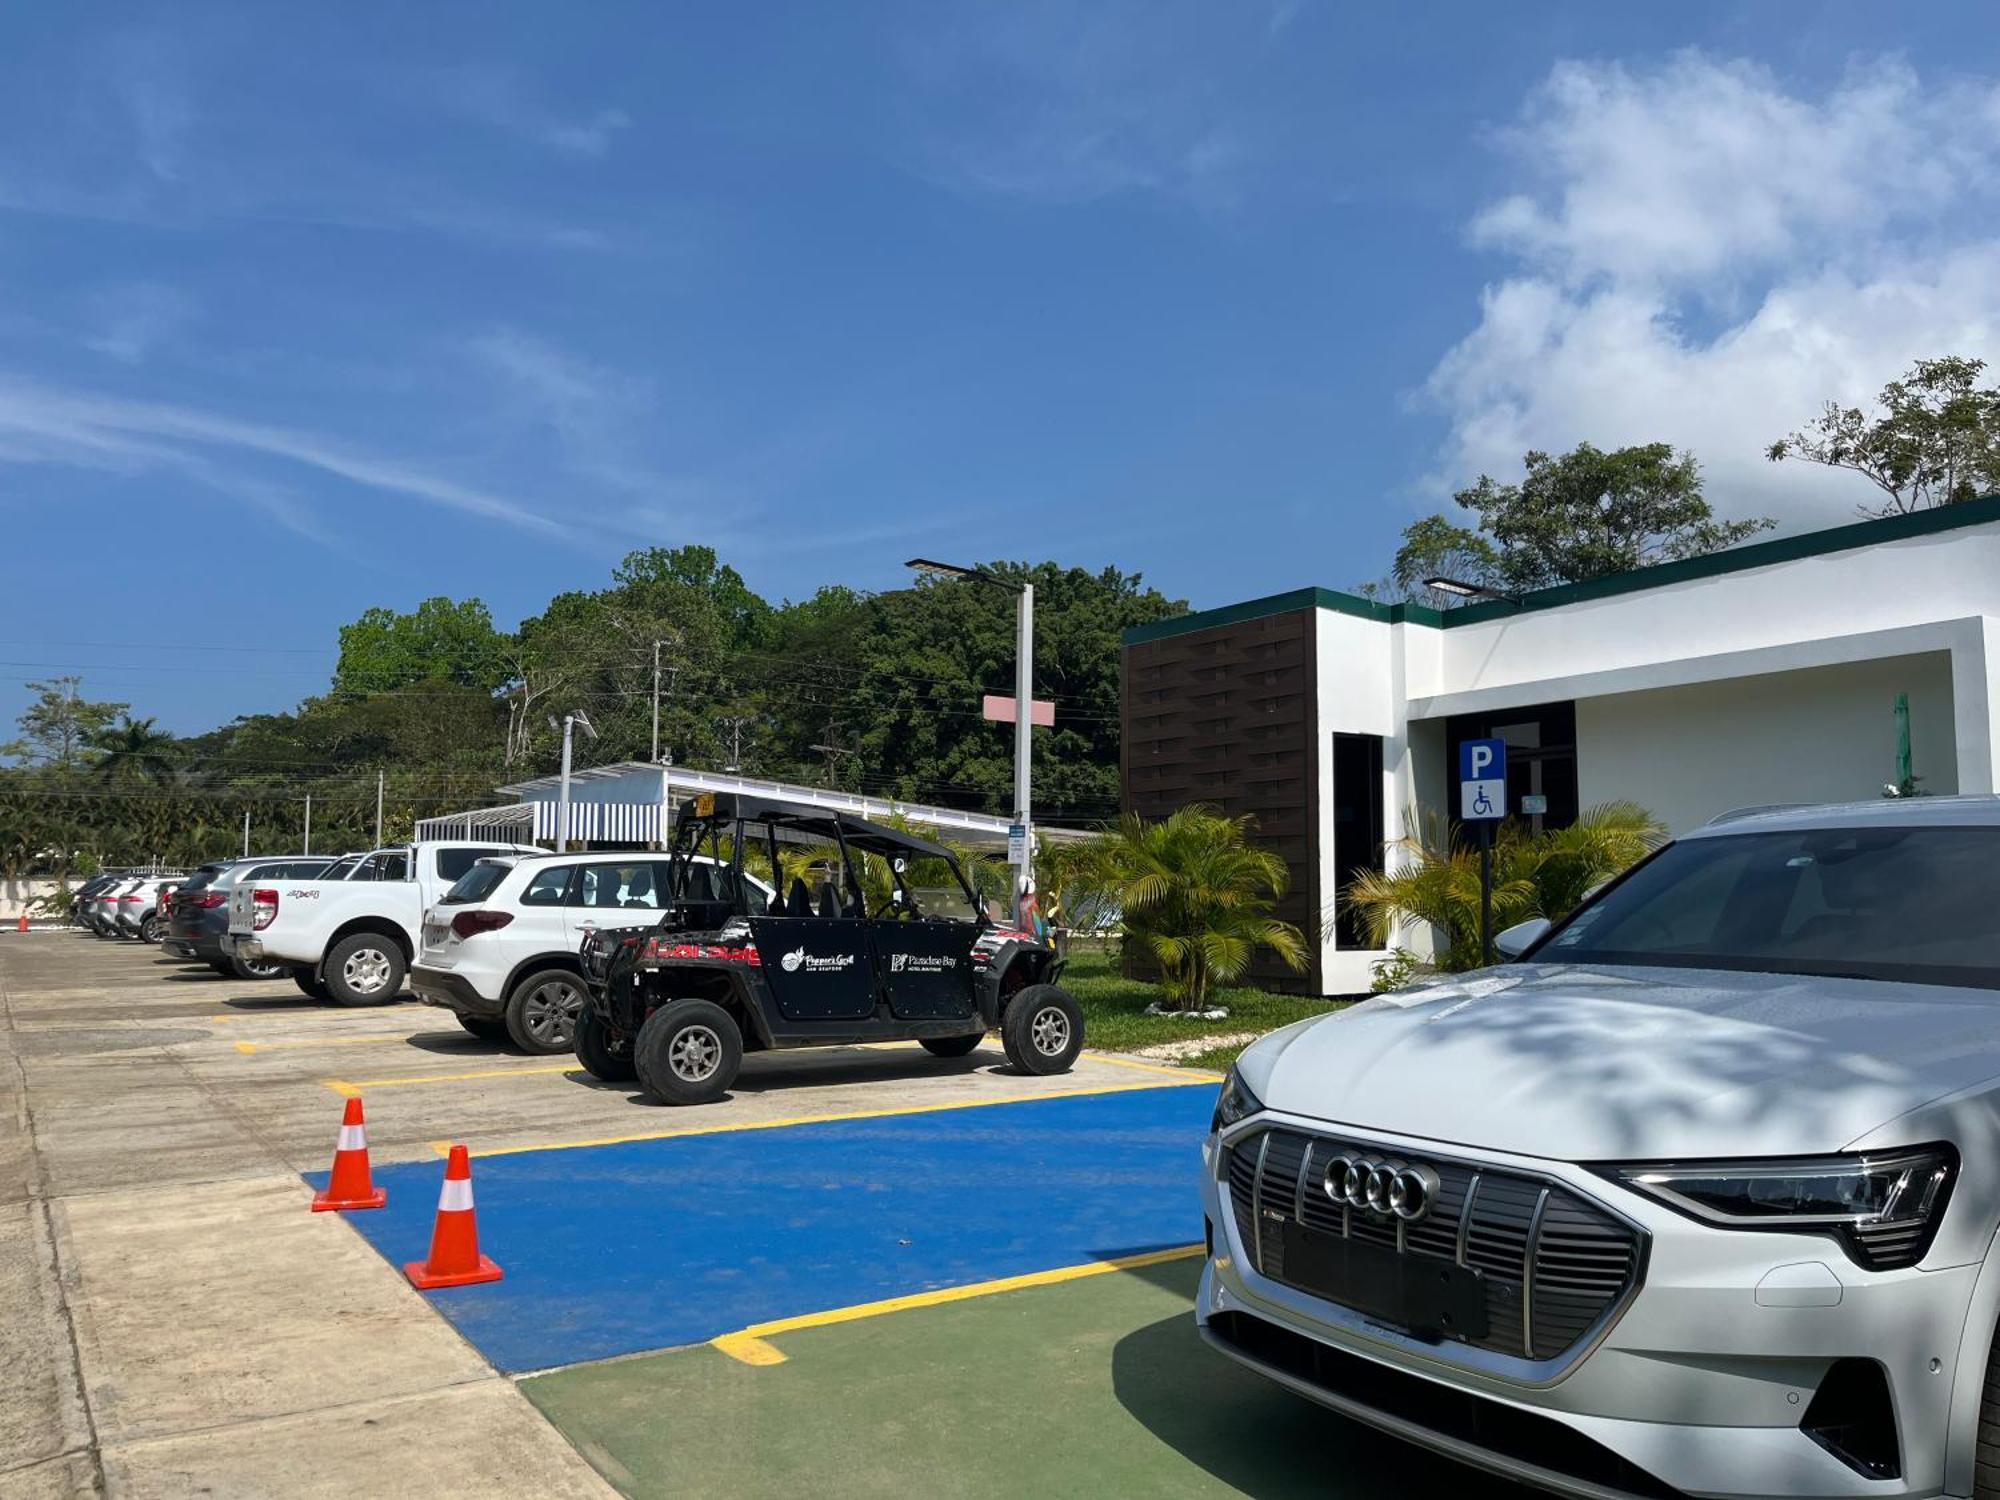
(1434, 881)
(135, 745)
(1196, 896)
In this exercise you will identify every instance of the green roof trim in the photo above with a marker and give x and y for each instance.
(1783, 549)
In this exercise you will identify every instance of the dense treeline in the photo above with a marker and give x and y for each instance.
(875, 692)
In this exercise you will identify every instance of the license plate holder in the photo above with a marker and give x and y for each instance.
(1424, 1296)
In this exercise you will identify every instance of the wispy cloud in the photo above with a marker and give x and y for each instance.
(129, 320)
(599, 415)
(501, 96)
(1078, 105)
(44, 424)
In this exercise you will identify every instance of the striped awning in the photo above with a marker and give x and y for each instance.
(526, 822)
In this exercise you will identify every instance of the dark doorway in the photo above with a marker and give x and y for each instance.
(1357, 827)
(1541, 759)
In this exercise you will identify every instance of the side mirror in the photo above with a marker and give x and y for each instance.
(1511, 942)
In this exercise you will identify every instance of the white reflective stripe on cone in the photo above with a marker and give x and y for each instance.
(457, 1195)
(352, 1138)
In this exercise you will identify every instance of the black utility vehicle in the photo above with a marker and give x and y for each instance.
(676, 1004)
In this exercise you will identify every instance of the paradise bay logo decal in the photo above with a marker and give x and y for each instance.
(921, 963)
(798, 959)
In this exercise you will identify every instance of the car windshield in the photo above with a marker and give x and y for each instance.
(1902, 904)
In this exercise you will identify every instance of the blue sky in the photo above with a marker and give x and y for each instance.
(308, 309)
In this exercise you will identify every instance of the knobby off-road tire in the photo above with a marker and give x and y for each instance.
(950, 1046)
(604, 1056)
(365, 969)
(542, 1011)
(688, 1052)
(1042, 1030)
(486, 1029)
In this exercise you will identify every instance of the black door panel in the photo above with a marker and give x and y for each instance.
(926, 967)
(817, 967)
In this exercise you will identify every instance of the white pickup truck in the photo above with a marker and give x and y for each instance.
(352, 940)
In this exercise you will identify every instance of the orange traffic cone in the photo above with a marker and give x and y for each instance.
(24, 923)
(350, 1187)
(455, 1259)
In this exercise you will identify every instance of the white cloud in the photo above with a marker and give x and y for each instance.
(1703, 257)
(597, 414)
(43, 424)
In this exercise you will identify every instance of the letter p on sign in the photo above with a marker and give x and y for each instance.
(1482, 780)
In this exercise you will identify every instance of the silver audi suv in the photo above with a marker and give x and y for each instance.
(1697, 1196)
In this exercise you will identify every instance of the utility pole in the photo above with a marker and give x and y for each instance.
(309, 824)
(832, 750)
(735, 723)
(569, 725)
(656, 695)
(378, 809)
(246, 833)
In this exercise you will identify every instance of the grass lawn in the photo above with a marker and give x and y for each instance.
(1115, 1019)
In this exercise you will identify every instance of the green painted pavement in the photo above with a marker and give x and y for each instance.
(1089, 1388)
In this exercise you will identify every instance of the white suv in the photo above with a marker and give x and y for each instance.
(499, 949)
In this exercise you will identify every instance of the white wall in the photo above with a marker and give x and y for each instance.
(1360, 692)
(1823, 734)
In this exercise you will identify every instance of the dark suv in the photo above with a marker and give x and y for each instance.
(879, 937)
(199, 915)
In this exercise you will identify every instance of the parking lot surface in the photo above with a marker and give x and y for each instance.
(868, 1271)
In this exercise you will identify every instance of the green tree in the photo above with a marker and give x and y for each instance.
(454, 640)
(1433, 880)
(58, 728)
(1196, 896)
(134, 748)
(1578, 515)
(1935, 440)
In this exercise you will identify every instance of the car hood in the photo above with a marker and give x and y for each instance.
(1602, 1064)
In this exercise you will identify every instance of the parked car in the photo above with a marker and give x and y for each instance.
(83, 908)
(110, 901)
(500, 948)
(137, 912)
(1700, 1195)
(200, 916)
(675, 1003)
(351, 940)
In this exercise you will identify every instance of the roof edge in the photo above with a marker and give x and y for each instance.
(1851, 537)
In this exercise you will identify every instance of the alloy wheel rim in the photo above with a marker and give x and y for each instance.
(695, 1054)
(366, 970)
(1050, 1031)
(551, 1011)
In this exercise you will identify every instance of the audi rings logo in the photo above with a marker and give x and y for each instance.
(1392, 1189)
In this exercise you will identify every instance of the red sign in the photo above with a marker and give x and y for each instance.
(1040, 711)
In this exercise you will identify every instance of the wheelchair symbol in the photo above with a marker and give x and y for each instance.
(1482, 805)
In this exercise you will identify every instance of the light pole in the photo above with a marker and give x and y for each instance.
(1024, 699)
(569, 724)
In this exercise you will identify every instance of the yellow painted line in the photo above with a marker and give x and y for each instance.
(752, 1347)
(331, 1041)
(443, 1148)
(356, 1085)
(1199, 1075)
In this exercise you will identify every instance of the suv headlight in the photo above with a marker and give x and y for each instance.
(1883, 1207)
(1234, 1103)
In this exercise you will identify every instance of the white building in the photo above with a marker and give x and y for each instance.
(1767, 673)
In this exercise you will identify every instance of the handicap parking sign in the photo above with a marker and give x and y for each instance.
(1482, 780)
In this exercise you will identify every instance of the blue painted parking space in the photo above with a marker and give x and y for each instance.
(650, 1244)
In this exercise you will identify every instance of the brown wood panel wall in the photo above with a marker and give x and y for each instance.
(1227, 717)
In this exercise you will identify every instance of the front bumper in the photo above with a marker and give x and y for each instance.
(454, 992)
(1697, 1386)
